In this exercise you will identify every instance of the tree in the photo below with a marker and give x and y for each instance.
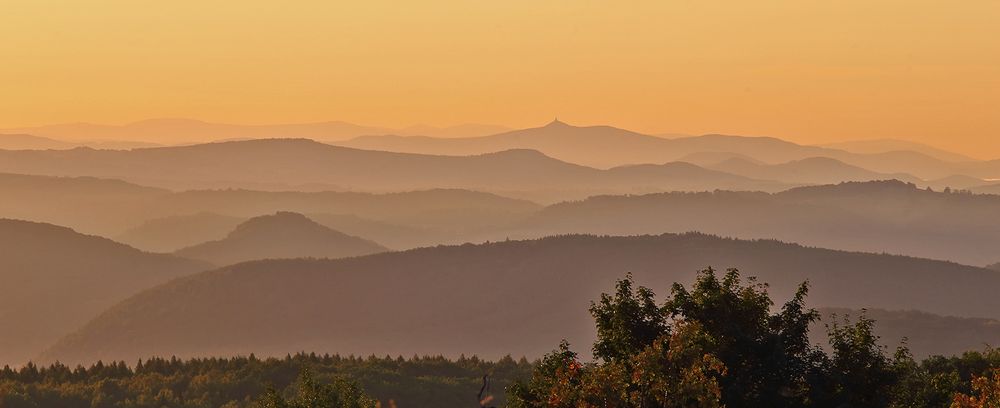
(768, 357)
(310, 393)
(988, 390)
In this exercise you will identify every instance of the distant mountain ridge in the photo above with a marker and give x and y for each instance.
(171, 131)
(282, 164)
(281, 235)
(517, 297)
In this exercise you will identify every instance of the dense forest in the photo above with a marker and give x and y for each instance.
(720, 342)
(243, 381)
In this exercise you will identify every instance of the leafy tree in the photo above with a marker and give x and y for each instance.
(340, 393)
(987, 389)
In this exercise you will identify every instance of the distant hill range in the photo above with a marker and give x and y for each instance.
(886, 216)
(299, 164)
(605, 146)
(281, 235)
(31, 142)
(517, 297)
(889, 216)
(55, 280)
(175, 131)
(111, 207)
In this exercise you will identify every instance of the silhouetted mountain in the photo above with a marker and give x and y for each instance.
(282, 235)
(55, 280)
(110, 207)
(814, 170)
(710, 159)
(995, 267)
(956, 182)
(888, 216)
(171, 233)
(894, 145)
(175, 131)
(605, 146)
(925, 334)
(283, 164)
(517, 297)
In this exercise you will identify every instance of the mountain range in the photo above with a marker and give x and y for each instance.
(169, 131)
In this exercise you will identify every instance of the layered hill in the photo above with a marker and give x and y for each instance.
(55, 280)
(518, 297)
(281, 235)
(179, 130)
(168, 234)
(605, 146)
(813, 170)
(111, 207)
(283, 164)
(886, 216)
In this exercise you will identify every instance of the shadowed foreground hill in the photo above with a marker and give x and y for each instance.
(517, 297)
(886, 216)
(54, 280)
(282, 235)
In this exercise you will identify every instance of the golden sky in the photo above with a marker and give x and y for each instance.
(804, 70)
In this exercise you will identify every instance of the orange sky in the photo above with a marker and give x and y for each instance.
(809, 71)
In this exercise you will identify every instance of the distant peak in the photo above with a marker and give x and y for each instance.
(556, 123)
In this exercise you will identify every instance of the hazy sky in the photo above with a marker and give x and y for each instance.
(809, 71)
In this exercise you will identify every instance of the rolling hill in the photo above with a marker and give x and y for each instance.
(517, 297)
(56, 280)
(895, 145)
(284, 164)
(887, 216)
(605, 147)
(168, 234)
(813, 170)
(176, 130)
(111, 207)
(281, 235)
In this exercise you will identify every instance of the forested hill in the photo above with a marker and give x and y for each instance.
(516, 297)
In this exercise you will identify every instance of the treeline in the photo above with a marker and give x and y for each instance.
(720, 344)
(246, 381)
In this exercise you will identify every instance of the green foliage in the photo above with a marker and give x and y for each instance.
(720, 344)
(309, 393)
(240, 381)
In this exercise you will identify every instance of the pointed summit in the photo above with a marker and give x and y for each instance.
(556, 123)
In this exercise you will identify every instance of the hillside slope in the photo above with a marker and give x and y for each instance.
(55, 280)
(281, 235)
(518, 297)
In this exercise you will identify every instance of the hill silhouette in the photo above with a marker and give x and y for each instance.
(995, 267)
(171, 233)
(517, 297)
(605, 146)
(813, 170)
(895, 145)
(111, 207)
(179, 130)
(283, 164)
(881, 216)
(281, 235)
(55, 280)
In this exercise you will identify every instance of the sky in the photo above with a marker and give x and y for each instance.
(803, 70)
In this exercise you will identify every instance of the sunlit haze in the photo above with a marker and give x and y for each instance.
(806, 71)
